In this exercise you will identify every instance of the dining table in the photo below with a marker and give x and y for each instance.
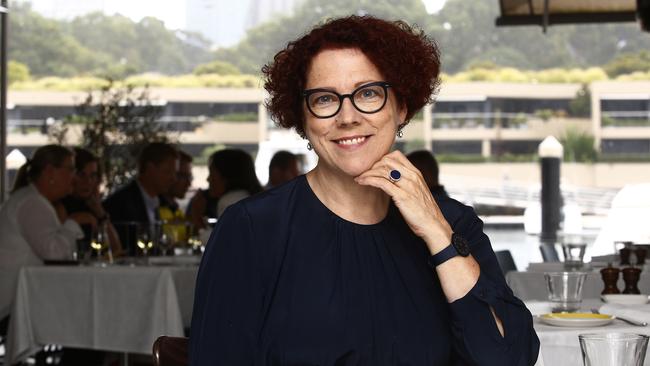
(560, 346)
(531, 285)
(119, 308)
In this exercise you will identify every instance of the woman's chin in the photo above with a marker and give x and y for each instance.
(355, 171)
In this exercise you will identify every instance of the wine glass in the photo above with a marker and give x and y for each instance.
(164, 243)
(145, 242)
(99, 243)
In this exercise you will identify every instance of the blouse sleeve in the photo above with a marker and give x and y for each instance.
(228, 297)
(43, 231)
(476, 336)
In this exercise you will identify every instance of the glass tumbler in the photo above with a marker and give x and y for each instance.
(565, 290)
(574, 254)
(613, 349)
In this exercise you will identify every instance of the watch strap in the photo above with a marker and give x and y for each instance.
(443, 256)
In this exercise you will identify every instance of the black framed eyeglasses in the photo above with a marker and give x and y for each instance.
(368, 98)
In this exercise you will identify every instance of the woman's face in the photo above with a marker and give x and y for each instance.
(60, 178)
(350, 141)
(86, 180)
(217, 186)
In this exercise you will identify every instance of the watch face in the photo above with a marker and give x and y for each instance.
(461, 244)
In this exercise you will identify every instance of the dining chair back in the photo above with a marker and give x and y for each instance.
(170, 351)
(549, 253)
(506, 262)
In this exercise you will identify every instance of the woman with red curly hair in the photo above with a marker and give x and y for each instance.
(354, 263)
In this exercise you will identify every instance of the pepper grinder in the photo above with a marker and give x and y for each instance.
(631, 277)
(610, 278)
(640, 255)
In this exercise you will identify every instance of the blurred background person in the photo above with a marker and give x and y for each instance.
(31, 228)
(428, 166)
(283, 168)
(86, 198)
(169, 206)
(171, 214)
(138, 201)
(231, 178)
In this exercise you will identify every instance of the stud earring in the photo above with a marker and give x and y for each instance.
(309, 147)
(400, 134)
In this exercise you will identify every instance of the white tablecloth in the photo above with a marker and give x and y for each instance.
(560, 346)
(532, 286)
(117, 308)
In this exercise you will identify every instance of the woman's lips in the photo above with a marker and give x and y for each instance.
(351, 142)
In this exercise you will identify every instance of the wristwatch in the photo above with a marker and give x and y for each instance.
(458, 246)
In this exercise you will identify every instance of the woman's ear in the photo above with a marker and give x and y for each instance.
(403, 110)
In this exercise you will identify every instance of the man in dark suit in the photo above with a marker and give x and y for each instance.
(134, 207)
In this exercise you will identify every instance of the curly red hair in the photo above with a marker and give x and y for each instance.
(405, 55)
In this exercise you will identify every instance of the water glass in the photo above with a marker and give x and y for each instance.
(573, 255)
(565, 290)
(100, 243)
(613, 349)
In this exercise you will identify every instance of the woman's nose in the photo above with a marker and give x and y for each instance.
(348, 113)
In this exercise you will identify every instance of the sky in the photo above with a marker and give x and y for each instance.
(172, 12)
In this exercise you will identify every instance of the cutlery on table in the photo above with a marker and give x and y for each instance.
(629, 321)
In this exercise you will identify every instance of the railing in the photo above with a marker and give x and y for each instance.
(625, 118)
(521, 194)
(172, 123)
(471, 120)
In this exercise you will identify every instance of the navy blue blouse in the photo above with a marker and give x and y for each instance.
(285, 281)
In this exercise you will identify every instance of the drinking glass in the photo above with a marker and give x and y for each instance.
(99, 243)
(613, 349)
(574, 254)
(145, 240)
(164, 243)
(565, 290)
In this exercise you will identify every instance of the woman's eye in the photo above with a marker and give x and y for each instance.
(368, 93)
(324, 99)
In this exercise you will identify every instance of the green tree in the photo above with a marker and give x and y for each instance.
(580, 106)
(263, 41)
(578, 146)
(42, 44)
(216, 67)
(17, 71)
(628, 63)
(98, 44)
(117, 123)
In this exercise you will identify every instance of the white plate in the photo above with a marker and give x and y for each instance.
(625, 299)
(578, 320)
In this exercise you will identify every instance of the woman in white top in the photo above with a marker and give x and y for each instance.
(231, 179)
(31, 228)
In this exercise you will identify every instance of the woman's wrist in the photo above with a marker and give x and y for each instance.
(102, 217)
(438, 241)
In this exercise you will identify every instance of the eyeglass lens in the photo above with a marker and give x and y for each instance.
(367, 99)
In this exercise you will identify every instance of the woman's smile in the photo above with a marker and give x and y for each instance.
(352, 142)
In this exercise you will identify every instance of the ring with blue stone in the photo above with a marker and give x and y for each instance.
(394, 176)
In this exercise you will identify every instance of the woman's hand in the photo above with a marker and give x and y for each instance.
(94, 202)
(198, 204)
(412, 197)
(84, 218)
